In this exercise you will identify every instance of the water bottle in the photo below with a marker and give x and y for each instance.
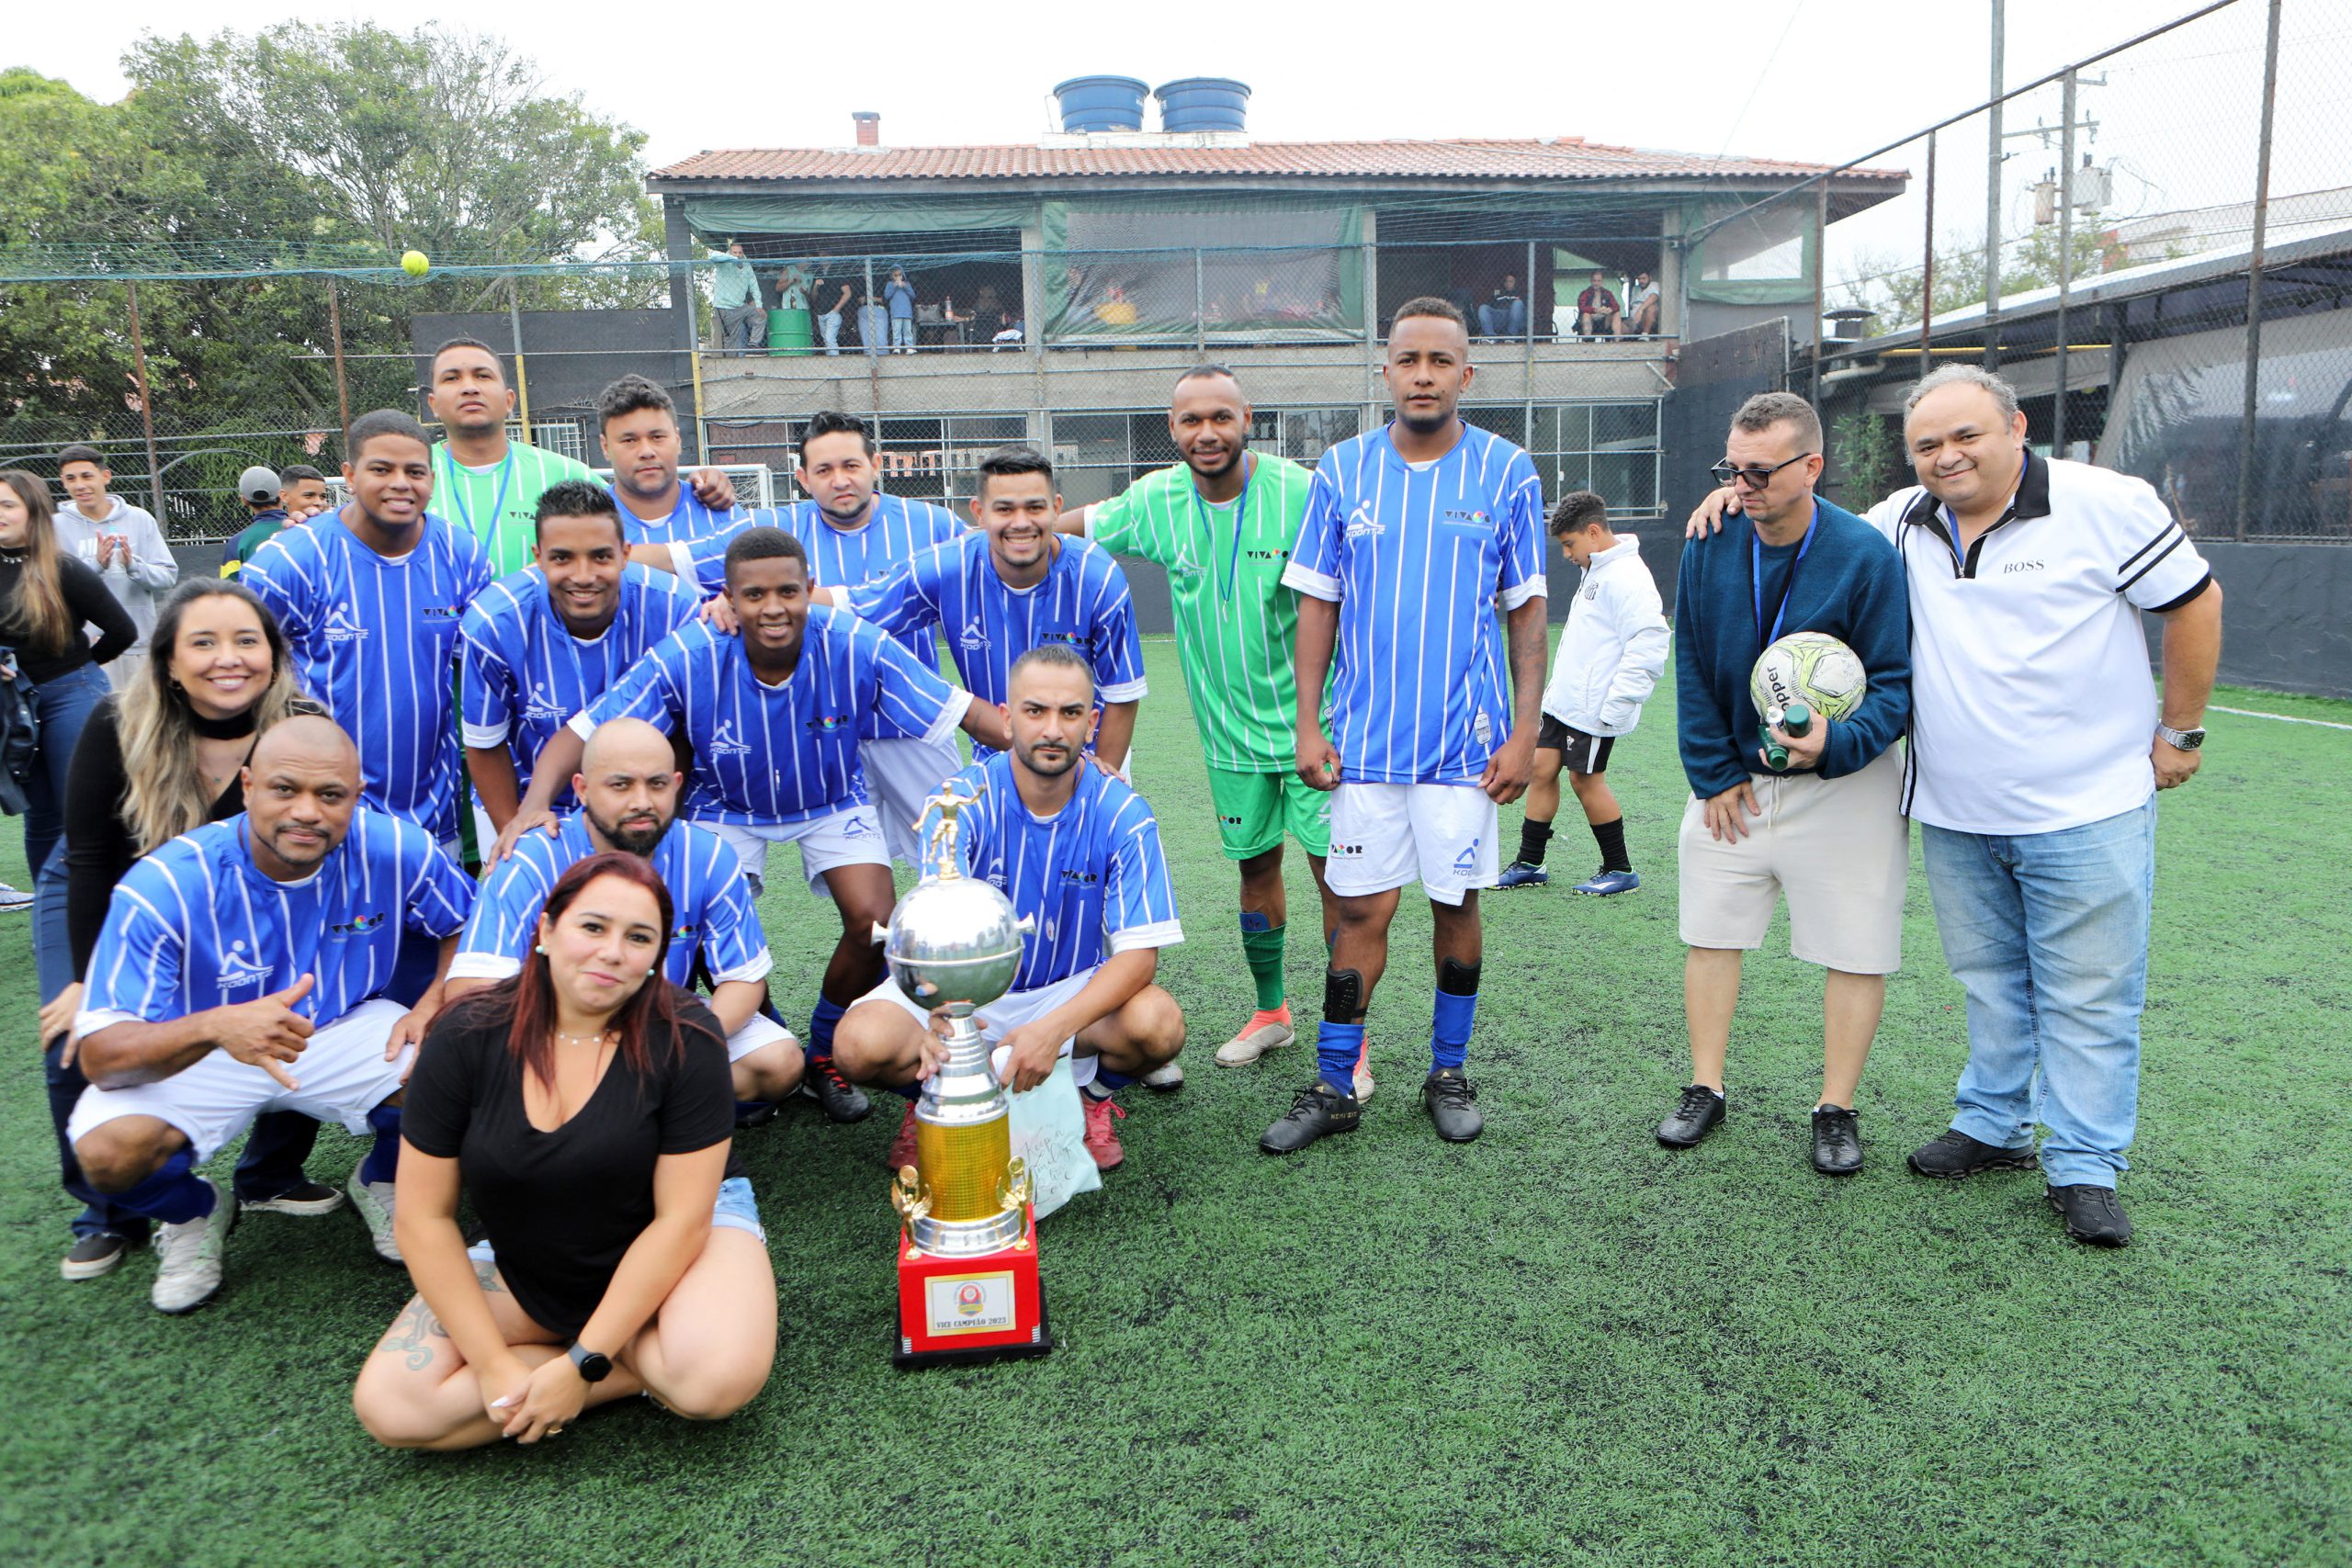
(1796, 720)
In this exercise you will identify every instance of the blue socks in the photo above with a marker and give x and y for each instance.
(821, 1020)
(383, 1161)
(1112, 1082)
(1337, 1046)
(1450, 1028)
(173, 1194)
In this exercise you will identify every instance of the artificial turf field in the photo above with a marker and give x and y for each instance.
(1559, 1343)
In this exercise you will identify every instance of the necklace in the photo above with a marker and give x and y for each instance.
(600, 1037)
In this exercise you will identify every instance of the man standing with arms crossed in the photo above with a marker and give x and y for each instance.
(1223, 523)
(1414, 535)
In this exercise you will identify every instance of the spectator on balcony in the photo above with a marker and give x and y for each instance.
(1007, 333)
(873, 323)
(735, 295)
(828, 317)
(1598, 312)
(1504, 314)
(1645, 305)
(898, 299)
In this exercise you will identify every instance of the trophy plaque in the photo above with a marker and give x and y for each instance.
(968, 1239)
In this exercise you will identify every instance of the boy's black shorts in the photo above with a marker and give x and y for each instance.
(1582, 754)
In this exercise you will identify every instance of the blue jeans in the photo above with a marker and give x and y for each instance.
(1503, 318)
(830, 326)
(64, 706)
(902, 332)
(2048, 935)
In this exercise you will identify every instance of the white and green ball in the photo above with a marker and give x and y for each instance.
(1811, 667)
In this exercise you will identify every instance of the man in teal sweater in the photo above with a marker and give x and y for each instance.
(1827, 829)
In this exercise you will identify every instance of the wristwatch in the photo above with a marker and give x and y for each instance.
(593, 1367)
(2181, 739)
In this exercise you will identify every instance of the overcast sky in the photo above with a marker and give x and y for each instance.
(1818, 80)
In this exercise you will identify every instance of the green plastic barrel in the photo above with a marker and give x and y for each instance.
(790, 332)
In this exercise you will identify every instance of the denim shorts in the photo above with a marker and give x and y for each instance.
(736, 1210)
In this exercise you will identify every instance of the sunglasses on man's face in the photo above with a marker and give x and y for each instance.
(1755, 477)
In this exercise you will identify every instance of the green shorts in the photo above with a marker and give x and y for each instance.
(1252, 809)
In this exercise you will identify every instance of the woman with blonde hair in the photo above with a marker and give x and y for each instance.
(584, 1107)
(157, 759)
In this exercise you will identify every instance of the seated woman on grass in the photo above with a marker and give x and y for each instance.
(584, 1106)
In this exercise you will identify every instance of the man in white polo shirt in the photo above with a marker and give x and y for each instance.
(2037, 747)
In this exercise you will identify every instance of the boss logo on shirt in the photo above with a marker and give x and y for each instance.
(2021, 566)
(723, 742)
(339, 627)
(358, 925)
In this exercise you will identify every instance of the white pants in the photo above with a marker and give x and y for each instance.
(1007, 1013)
(1384, 836)
(849, 837)
(901, 776)
(342, 1076)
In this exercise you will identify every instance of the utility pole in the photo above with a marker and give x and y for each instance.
(2254, 274)
(1992, 203)
(2065, 255)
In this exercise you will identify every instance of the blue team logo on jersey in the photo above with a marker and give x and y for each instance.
(1362, 524)
(358, 925)
(1467, 860)
(238, 972)
(828, 724)
(339, 625)
(539, 704)
(723, 742)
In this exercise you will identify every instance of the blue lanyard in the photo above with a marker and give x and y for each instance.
(1240, 514)
(1755, 579)
(497, 508)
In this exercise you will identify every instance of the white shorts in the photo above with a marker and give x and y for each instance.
(852, 836)
(1005, 1014)
(1840, 849)
(759, 1030)
(1384, 836)
(342, 1072)
(901, 776)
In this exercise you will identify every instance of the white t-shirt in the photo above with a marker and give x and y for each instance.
(2032, 702)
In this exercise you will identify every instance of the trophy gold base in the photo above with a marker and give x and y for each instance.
(982, 1307)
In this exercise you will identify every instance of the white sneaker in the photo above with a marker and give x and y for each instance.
(372, 1200)
(188, 1273)
(1363, 1084)
(1251, 1043)
(1167, 1079)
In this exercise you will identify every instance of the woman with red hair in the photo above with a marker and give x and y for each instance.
(584, 1106)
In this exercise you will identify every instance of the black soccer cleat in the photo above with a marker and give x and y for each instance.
(1319, 1109)
(1453, 1104)
(2094, 1215)
(1699, 1113)
(1955, 1154)
(844, 1100)
(1837, 1142)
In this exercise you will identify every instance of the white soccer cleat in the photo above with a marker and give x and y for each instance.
(1364, 1085)
(1165, 1079)
(372, 1200)
(188, 1273)
(1251, 1043)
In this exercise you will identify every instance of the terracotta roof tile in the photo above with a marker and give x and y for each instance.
(1556, 158)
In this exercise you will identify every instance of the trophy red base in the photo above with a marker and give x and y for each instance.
(954, 1311)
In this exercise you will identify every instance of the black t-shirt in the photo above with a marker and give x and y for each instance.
(89, 603)
(562, 1207)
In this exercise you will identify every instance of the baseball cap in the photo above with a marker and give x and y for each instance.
(257, 483)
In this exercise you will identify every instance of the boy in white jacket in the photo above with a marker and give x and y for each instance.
(1610, 657)
(121, 542)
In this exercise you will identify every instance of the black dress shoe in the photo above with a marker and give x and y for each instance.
(1700, 1110)
(1955, 1154)
(2094, 1215)
(844, 1100)
(1837, 1142)
(1453, 1104)
(1319, 1109)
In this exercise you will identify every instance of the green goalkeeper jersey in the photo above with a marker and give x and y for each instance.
(1237, 626)
(500, 505)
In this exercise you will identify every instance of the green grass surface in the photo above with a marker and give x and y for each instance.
(1560, 1343)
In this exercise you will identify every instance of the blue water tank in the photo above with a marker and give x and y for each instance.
(1101, 102)
(1204, 103)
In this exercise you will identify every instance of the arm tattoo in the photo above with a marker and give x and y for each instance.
(486, 1271)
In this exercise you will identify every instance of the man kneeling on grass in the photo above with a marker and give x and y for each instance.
(1079, 853)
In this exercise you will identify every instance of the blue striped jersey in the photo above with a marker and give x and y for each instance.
(195, 925)
(526, 675)
(711, 911)
(1417, 557)
(1083, 603)
(1093, 875)
(773, 755)
(895, 533)
(689, 520)
(375, 640)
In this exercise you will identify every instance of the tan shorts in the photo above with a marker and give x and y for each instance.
(1840, 849)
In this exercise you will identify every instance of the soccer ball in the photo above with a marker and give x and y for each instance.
(1813, 667)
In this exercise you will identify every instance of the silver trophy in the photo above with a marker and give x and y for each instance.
(954, 943)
